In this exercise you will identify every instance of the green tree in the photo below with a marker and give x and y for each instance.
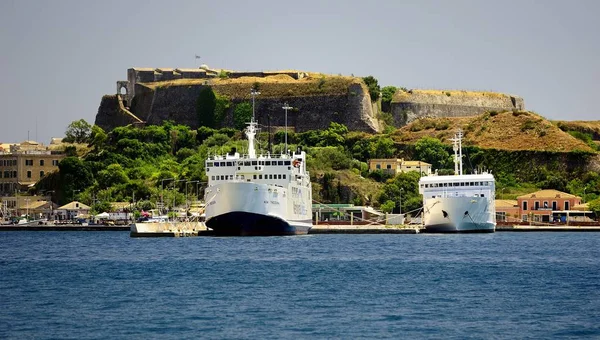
(388, 206)
(595, 207)
(79, 131)
(387, 93)
(98, 137)
(242, 115)
(432, 151)
(111, 176)
(373, 86)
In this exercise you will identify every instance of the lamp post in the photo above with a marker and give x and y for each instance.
(162, 181)
(400, 207)
(502, 193)
(73, 194)
(584, 188)
(286, 107)
(253, 93)
(186, 191)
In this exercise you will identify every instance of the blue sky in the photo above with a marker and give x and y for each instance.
(59, 57)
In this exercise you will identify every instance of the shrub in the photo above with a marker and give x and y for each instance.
(373, 86)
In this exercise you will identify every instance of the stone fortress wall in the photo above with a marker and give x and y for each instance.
(154, 104)
(408, 106)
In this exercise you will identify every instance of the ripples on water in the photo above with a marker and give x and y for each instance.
(106, 285)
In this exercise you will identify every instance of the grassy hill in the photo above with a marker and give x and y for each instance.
(514, 131)
(280, 85)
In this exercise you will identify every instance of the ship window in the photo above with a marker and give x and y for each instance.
(267, 162)
(222, 163)
(462, 184)
(247, 163)
(259, 176)
(254, 176)
(279, 176)
(433, 196)
(455, 184)
(287, 163)
(482, 195)
(280, 163)
(207, 169)
(209, 164)
(254, 163)
(445, 185)
(270, 176)
(284, 176)
(229, 164)
(230, 176)
(216, 163)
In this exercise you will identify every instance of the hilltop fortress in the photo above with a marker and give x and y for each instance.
(153, 95)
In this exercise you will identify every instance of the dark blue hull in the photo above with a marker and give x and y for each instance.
(248, 224)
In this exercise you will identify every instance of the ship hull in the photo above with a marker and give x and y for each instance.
(250, 209)
(240, 223)
(459, 215)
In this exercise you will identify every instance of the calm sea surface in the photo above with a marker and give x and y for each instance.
(106, 285)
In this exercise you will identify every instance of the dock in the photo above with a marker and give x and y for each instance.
(169, 229)
(548, 228)
(63, 227)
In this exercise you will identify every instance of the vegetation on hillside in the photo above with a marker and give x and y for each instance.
(165, 163)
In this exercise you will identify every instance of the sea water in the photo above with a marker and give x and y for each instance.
(106, 285)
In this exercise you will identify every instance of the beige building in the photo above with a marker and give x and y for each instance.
(71, 211)
(394, 166)
(23, 165)
(507, 211)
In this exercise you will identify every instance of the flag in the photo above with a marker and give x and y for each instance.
(197, 56)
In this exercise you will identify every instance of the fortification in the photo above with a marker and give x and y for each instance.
(153, 95)
(409, 105)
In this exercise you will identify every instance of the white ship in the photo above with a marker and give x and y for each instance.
(258, 195)
(458, 203)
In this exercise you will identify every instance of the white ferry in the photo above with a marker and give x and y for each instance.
(458, 203)
(258, 195)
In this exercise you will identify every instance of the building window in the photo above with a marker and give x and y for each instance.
(554, 205)
(536, 205)
(28, 174)
(41, 162)
(41, 174)
(389, 166)
(55, 162)
(525, 206)
(29, 162)
(566, 205)
(501, 216)
(377, 166)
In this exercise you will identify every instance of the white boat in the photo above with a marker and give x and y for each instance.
(258, 195)
(458, 203)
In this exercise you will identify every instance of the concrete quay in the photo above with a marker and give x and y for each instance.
(561, 228)
(64, 227)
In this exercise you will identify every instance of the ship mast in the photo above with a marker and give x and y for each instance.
(251, 129)
(457, 147)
